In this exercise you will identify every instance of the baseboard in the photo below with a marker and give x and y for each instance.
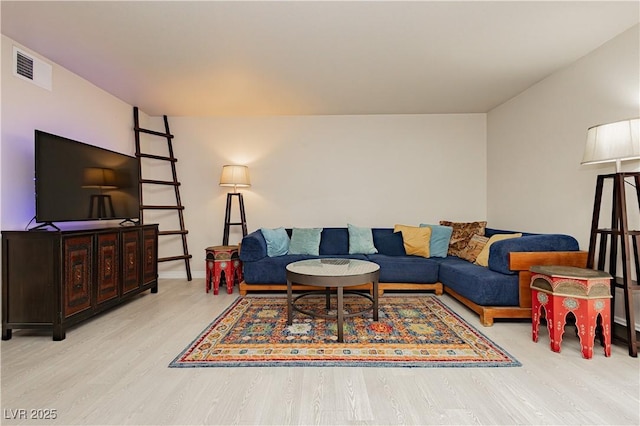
(180, 274)
(622, 322)
(619, 333)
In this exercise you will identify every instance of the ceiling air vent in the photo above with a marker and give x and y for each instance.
(30, 68)
(24, 65)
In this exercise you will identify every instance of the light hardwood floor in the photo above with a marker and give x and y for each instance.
(112, 370)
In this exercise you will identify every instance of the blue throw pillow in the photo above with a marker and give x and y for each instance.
(440, 237)
(277, 241)
(361, 240)
(305, 241)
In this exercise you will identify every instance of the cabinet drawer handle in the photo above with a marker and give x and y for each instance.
(77, 286)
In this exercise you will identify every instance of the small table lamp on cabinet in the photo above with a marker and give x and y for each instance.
(100, 178)
(235, 176)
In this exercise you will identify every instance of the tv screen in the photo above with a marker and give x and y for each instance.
(75, 181)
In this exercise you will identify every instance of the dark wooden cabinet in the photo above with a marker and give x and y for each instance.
(54, 279)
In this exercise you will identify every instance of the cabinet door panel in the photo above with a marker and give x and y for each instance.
(108, 267)
(131, 257)
(150, 264)
(77, 274)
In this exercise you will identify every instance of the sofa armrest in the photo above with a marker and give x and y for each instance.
(523, 261)
(254, 247)
(499, 252)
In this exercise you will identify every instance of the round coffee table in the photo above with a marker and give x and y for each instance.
(332, 273)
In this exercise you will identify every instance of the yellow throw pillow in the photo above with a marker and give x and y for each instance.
(483, 257)
(415, 239)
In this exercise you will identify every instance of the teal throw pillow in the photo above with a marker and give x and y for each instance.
(361, 240)
(277, 241)
(305, 241)
(440, 237)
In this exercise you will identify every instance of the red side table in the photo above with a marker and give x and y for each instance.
(222, 259)
(563, 289)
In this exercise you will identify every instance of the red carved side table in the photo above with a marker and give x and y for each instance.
(222, 259)
(563, 289)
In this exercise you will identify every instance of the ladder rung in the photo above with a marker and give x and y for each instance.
(616, 231)
(160, 182)
(157, 157)
(161, 207)
(607, 231)
(153, 132)
(235, 223)
(619, 282)
(176, 232)
(170, 258)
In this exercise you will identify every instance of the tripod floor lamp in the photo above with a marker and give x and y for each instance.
(617, 142)
(235, 176)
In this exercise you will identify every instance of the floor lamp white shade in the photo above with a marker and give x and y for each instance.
(236, 176)
(613, 142)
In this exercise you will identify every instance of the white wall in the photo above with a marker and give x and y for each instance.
(74, 108)
(375, 170)
(536, 142)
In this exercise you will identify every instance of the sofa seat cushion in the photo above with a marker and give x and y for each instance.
(406, 269)
(479, 284)
(272, 270)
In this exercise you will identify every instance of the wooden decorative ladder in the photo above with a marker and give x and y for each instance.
(178, 207)
(628, 239)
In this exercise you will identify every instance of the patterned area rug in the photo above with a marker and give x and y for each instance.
(415, 331)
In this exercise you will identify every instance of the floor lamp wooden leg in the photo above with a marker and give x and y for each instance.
(227, 217)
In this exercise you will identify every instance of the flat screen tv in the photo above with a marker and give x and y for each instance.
(75, 181)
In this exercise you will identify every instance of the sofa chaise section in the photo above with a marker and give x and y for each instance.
(501, 290)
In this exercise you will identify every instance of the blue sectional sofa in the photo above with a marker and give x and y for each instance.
(500, 290)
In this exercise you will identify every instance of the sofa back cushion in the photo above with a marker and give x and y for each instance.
(387, 242)
(334, 241)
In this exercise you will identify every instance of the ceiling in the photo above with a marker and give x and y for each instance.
(204, 58)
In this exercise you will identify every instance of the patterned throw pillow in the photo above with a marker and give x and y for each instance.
(473, 249)
(462, 233)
